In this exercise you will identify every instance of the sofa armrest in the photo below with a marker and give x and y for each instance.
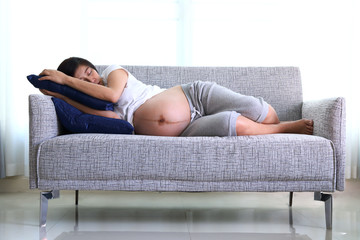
(329, 122)
(43, 125)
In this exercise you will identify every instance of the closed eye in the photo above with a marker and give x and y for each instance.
(87, 71)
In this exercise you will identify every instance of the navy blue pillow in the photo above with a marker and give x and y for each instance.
(71, 93)
(77, 122)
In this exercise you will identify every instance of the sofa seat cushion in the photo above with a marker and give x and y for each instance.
(281, 162)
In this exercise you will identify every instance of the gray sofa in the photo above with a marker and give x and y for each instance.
(265, 163)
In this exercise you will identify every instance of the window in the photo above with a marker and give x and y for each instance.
(321, 37)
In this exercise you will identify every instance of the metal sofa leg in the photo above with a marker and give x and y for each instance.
(291, 195)
(44, 198)
(76, 197)
(327, 199)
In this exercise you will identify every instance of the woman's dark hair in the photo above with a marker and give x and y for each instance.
(69, 66)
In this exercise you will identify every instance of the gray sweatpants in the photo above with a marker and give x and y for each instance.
(214, 109)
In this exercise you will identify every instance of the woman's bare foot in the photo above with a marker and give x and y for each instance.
(302, 126)
(245, 126)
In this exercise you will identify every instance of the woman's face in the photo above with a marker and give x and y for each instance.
(88, 74)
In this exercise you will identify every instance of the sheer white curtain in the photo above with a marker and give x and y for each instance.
(321, 37)
(12, 138)
(3, 18)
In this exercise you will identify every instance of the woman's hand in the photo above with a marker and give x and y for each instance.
(81, 107)
(53, 94)
(54, 75)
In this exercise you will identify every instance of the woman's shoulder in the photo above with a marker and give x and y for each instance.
(110, 69)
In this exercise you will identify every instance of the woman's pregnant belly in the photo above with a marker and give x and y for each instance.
(165, 114)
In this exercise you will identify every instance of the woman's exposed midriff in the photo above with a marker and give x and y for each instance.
(165, 114)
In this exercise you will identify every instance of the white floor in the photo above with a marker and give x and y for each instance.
(180, 216)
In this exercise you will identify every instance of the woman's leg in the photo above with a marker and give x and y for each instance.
(271, 117)
(271, 125)
(254, 116)
(209, 98)
(218, 124)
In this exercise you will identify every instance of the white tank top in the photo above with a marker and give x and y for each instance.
(134, 95)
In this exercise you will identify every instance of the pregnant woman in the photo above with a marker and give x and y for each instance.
(194, 109)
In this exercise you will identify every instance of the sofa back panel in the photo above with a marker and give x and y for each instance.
(279, 86)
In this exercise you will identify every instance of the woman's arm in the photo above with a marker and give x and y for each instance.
(81, 107)
(117, 80)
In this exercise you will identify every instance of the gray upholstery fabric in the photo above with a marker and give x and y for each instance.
(43, 125)
(329, 122)
(282, 162)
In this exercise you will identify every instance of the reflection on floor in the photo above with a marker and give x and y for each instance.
(184, 216)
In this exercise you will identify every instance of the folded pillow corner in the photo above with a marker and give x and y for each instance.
(77, 122)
